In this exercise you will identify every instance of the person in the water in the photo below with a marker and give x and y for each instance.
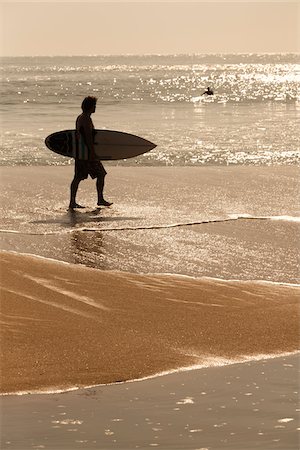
(208, 91)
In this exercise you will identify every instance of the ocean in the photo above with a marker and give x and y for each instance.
(217, 197)
(252, 118)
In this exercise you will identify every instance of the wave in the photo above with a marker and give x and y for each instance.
(231, 218)
(210, 362)
(227, 280)
(286, 218)
(164, 274)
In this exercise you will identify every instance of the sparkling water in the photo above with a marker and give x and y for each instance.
(252, 118)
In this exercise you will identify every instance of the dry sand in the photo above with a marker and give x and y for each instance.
(65, 325)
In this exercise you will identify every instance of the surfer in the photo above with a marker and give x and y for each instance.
(92, 167)
(208, 92)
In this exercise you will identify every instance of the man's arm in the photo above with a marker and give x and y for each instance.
(86, 128)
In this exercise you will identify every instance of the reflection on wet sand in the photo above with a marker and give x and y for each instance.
(87, 246)
(74, 217)
(87, 249)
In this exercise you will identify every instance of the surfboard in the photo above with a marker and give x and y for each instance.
(109, 145)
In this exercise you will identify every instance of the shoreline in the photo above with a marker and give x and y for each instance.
(293, 219)
(155, 274)
(180, 370)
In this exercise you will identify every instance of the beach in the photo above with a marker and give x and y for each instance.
(191, 268)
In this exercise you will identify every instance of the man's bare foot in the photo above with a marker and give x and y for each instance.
(75, 206)
(104, 203)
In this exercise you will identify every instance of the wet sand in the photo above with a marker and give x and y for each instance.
(244, 406)
(65, 325)
(34, 219)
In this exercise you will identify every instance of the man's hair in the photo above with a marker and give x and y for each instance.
(88, 103)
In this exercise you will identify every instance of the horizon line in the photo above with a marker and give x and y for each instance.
(150, 54)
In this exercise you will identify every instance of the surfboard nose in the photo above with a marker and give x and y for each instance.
(151, 145)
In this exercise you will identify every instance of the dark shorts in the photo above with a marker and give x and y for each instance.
(94, 169)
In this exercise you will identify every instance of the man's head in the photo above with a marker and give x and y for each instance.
(89, 104)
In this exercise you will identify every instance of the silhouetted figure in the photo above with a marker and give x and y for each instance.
(208, 91)
(92, 167)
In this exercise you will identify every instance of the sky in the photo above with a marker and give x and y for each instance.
(139, 27)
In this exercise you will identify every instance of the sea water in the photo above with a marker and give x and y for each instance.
(252, 118)
(234, 214)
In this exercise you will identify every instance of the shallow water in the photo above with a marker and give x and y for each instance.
(231, 223)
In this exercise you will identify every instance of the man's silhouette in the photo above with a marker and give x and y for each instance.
(92, 167)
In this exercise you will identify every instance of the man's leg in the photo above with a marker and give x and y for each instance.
(74, 189)
(100, 187)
